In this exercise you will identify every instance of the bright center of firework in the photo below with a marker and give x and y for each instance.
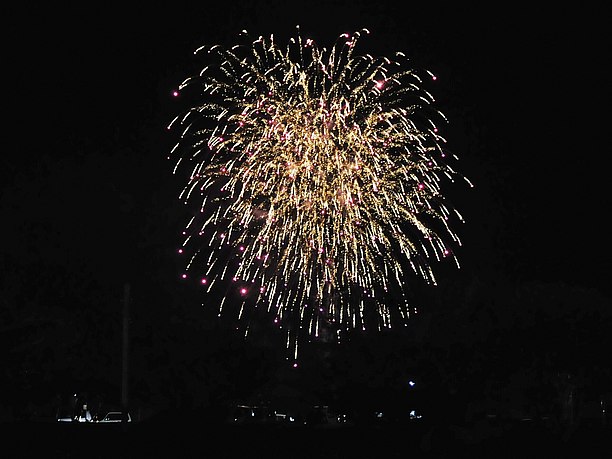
(318, 178)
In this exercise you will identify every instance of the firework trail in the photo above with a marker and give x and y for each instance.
(317, 179)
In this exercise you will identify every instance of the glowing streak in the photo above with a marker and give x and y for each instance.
(320, 180)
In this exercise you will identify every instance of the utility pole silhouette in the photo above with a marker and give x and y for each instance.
(125, 356)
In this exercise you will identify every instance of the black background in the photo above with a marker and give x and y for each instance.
(89, 203)
(522, 88)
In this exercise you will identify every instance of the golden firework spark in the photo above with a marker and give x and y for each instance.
(318, 176)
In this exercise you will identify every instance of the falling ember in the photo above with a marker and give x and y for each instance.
(317, 174)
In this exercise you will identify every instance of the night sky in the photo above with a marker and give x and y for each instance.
(88, 199)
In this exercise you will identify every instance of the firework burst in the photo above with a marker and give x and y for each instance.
(317, 179)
